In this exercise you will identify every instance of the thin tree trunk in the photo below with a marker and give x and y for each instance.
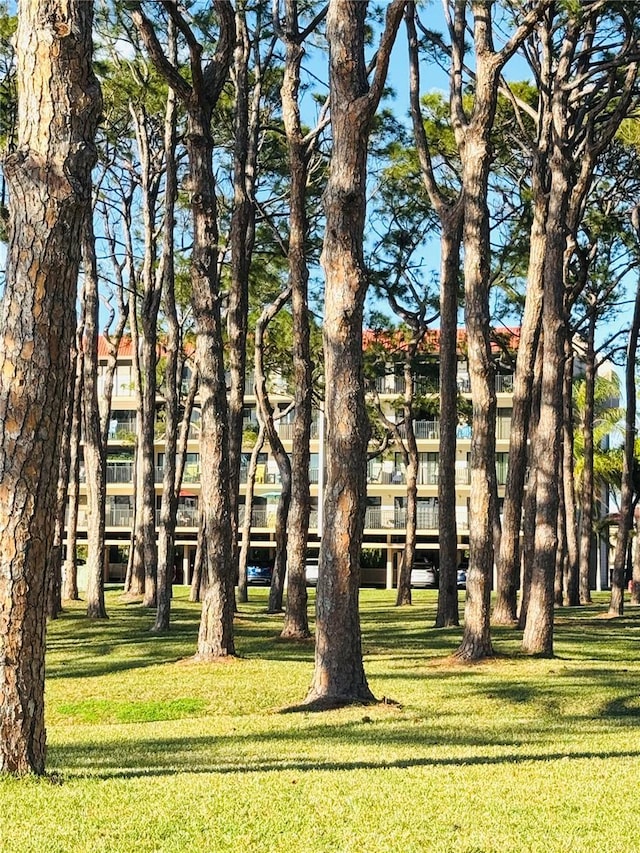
(410, 450)
(49, 180)
(529, 501)
(70, 587)
(276, 591)
(447, 614)
(296, 621)
(616, 604)
(509, 559)
(94, 452)
(243, 592)
(451, 220)
(174, 366)
(586, 501)
(570, 583)
(54, 597)
(635, 577)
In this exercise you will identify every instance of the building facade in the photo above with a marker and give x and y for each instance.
(385, 516)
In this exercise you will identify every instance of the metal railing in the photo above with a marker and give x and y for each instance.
(120, 472)
(504, 383)
(118, 516)
(381, 518)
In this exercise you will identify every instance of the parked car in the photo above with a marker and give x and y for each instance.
(461, 578)
(311, 571)
(424, 575)
(259, 575)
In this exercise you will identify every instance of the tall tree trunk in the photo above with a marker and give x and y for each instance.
(241, 238)
(538, 632)
(54, 596)
(451, 216)
(616, 604)
(174, 366)
(276, 591)
(339, 676)
(570, 585)
(149, 306)
(508, 563)
(134, 582)
(529, 500)
(70, 586)
(635, 569)
(411, 458)
(49, 180)
(586, 500)
(94, 450)
(243, 592)
(215, 637)
(296, 622)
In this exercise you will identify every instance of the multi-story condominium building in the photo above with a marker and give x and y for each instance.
(385, 517)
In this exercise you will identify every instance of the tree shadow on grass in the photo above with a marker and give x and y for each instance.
(197, 755)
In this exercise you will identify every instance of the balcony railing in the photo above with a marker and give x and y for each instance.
(119, 516)
(504, 383)
(423, 430)
(285, 431)
(122, 430)
(463, 476)
(379, 518)
(186, 516)
(120, 472)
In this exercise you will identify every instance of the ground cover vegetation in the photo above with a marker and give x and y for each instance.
(151, 751)
(215, 162)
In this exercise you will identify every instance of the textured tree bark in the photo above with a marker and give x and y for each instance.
(49, 179)
(476, 640)
(199, 96)
(627, 505)
(529, 500)
(245, 539)
(538, 632)
(296, 621)
(174, 366)
(586, 499)
(508, 563)
(241, 238)
(276, 591)
(410, 450)
(339, 676)
(635, 569)
(570, 581)
(450, 240)
(70, 585)
(54, 592)
(94, 449)
(451, 219)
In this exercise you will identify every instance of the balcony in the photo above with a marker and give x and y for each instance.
(120, 472)
(423, 430)
(119, 516)
(191, 474)
(285, 431)
(504, 383)
(186, 516)
(122, 430)
(379, 518)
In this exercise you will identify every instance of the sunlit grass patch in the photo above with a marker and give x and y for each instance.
(153, 752)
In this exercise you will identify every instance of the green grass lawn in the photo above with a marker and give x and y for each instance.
(149, 751)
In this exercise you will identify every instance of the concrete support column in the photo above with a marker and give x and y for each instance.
(390, 578)
(186, 564)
